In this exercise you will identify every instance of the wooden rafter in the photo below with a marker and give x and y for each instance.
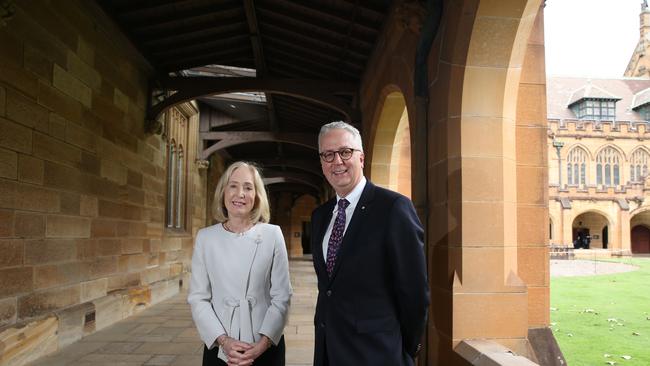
(318, 91)
(233, 138)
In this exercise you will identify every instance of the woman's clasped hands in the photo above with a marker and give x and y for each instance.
(242, 353)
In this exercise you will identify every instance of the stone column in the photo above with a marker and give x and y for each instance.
(567, 227)
(493, 185)
(625, 243)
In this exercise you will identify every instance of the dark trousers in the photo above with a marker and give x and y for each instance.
(274, 356)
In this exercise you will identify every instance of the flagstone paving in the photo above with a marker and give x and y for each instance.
(164, 334)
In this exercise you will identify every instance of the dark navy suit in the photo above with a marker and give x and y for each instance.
(372, 310)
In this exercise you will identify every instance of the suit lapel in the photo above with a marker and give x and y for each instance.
(358, 219)
(320, 234)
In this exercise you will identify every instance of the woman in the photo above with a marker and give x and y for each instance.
(240, 287)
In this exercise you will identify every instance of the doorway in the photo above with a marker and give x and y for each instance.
(306, 237)
(640, 240)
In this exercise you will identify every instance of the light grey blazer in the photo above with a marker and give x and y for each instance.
(240, 284)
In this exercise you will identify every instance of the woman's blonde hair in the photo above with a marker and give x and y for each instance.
(260, 211)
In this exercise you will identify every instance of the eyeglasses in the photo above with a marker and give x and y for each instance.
(345, 154)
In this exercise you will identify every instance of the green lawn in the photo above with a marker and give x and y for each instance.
(607, 314)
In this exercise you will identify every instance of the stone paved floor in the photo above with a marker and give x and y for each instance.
(165, 334)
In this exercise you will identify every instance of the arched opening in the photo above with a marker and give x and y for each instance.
(550, 229)
(640, 233)
(589, 231)
(577, 167)
(608, 172)
(391, 149)
(300, 223)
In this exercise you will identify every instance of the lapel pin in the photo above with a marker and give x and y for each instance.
(363, 207)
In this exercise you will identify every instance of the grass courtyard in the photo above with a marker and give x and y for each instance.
(604, 319)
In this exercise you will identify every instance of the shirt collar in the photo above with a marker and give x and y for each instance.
(354, 195)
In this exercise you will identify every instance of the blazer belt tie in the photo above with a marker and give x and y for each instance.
(243, 328)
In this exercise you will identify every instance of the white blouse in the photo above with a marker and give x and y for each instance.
(240, 284)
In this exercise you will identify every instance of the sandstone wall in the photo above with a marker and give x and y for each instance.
(82, 188)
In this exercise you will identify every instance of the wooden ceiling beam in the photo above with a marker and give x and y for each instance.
(299, 9)
(234, 138)
(306, 178)
(277, 32)
(319, 92)
(312, 29)
(203, 35)
(279, 180)
(295, 188)
(260, 63)
(303, 112)
(310, 166)
(188, 24)
(283, 68)
(201, 48)
(332, 67)
(304, 107)
(283, 44)
(163, 13)
(220, 56)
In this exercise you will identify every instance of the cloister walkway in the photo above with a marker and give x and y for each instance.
(164, 334)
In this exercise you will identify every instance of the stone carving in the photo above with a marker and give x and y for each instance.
(7, 11)
(411, 15)
(202, 164)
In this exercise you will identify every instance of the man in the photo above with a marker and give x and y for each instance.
(369, 259)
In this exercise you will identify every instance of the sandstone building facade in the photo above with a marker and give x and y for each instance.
(599, 156)
(598, 177)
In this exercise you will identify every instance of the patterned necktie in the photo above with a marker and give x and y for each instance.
(337, 235)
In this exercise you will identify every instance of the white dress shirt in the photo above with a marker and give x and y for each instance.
(352, 197)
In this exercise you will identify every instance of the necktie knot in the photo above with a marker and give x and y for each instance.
(343, 203)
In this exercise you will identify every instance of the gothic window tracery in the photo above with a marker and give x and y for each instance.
(175, 210)
(639, 165)
(577, 166)
(608, 167)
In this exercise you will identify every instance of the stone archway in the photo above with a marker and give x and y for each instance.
(480, 195)
(592, 224)
(640, 233)
(391, 146)
(301, 214)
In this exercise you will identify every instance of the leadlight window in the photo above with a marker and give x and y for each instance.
(645, 112)
(608, 167)
(595, 109)
(177, 174)
(577, 166)
(639, 165)
(171, 185)
(180, 171)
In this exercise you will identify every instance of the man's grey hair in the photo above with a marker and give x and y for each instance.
(340, 125)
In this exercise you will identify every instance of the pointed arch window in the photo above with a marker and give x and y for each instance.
(608, 167)
(178, 174)
(639, 165)
(180, 188)
(577, 167)
(171, 185)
